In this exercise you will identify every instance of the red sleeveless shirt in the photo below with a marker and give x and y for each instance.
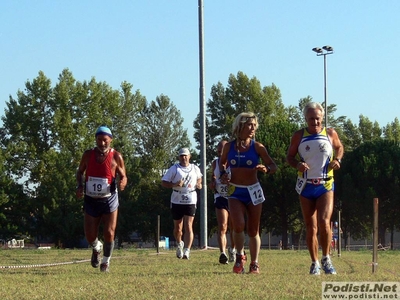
(102, 170)
(100, 180)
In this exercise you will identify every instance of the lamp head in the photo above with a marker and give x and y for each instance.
(328, 48)
(317, 50)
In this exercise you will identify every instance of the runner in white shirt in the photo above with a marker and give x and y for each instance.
(184, 178)
(316, 151)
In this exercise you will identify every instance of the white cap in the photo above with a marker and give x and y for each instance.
(184, 151)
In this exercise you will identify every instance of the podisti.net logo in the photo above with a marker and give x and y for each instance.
(360, 290)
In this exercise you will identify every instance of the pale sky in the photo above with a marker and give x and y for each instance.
(154, 45)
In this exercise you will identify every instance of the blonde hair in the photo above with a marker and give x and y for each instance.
(313, 105)
(239, 122)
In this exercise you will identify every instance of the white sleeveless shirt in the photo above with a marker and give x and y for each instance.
(221, 189)
(317, 151)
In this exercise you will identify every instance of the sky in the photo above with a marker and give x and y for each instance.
(154, 45)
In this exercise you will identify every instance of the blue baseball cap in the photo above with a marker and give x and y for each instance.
(104, 130)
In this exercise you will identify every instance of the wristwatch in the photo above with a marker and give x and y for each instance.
(338, 160)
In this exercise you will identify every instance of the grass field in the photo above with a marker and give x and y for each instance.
(144, 274)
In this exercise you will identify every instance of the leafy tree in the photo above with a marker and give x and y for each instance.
(351, 137)
(14, 218)
(27, 124)
(241, 95)
(296, 112)
(369, 131)
(281, 213)
(126, 136)
(47, 129)
(392, 131)
(5, 184)
(28, 128)
(368, 172)
(245, 94)
(160, 134)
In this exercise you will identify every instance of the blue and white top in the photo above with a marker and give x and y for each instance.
(316, 150)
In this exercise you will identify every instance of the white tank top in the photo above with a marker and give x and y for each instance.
(317, 151)
(221, 189)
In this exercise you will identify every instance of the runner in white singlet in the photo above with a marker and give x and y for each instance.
(316, 151)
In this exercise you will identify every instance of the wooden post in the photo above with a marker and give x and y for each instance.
(339, 245)
(158, 234)
(375, 238)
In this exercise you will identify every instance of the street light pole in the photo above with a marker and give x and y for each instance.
(203, 166)
(326, 50)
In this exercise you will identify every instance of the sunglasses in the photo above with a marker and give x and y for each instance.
(246, 119)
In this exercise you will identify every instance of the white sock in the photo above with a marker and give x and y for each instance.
(96, 245)
(325, 257)
(105, 259)
(316, 263)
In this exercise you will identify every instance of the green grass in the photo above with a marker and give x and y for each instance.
(144, 274)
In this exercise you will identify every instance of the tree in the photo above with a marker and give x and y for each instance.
(161, 134)
(126, 131)
(26, 125)
(14, 217)
(392, 131)
(281, 213)
(368, 172)
(47, 129)
(351, 136)
(369, 131)
(241, 95)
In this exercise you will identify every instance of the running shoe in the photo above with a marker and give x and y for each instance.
(315, 269)
(186, 253)
(95, 260)
(223, 259)
(327, 266)
(179, 250)
(254, 268)
(239, 264)
(104, 267)
(232, 254)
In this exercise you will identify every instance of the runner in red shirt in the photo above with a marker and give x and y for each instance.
(100, 167)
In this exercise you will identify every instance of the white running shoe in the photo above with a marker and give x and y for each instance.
(186, 253)
(179, 250)
(315, 269)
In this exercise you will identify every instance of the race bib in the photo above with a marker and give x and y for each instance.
(300, 184)
(97, 187)
(186, 198)
(222, 189)
(256, 193)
